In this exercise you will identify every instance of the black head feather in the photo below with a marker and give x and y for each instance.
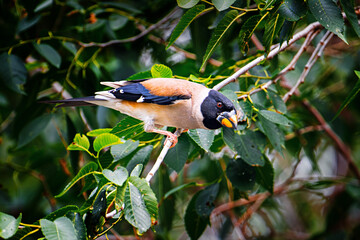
(213, 105)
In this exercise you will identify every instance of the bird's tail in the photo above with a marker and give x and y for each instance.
(74, 102)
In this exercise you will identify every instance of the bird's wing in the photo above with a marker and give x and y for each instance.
(157, 91)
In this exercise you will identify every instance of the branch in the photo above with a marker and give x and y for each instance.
(314, 57)
(277, 49)
(161, 156)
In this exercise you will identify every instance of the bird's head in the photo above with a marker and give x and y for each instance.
(218, 111)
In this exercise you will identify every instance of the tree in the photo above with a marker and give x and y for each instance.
(290, 170)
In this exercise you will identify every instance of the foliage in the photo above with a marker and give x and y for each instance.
(292, 166)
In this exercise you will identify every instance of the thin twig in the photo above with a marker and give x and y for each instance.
(277, 49)
(314, 57)
(162, 155)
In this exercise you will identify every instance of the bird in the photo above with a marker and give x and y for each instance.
(160, 102)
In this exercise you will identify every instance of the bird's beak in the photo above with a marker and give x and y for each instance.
(228, 119)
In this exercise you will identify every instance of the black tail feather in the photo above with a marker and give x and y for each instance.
(73, 102)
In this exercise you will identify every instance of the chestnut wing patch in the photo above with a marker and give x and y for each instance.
(136, 92)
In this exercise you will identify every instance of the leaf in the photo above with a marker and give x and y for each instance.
(348, 7)
(49, 53)
(248, 150)
(272, 28)
(222, 4)
(277, 101)
(27, 22)
(118, 176)
(136, 172)
(80, 142)
(45, 4)
(219, 32)
(80, 227)
(97, 132)
(147, 194)
(61, 212)
(177, 156)
(161, 71)
(8, 225)
(99, 207)
(229, 137)
(141, 157)
(205, 201)
(105, 140)
(350, 97)
(33, 129)
(184, 22)
(293, 10)
(272, 132)
(122, 150)
(275, 117)
(86, 170)
(61, 229)
(247, 31)
(140, 75)
(135, 210)
(203, 137)
(187, 3)
(194, 223)
(265, 175)
(178, 188)
(241, 174)
(12, 72)
(71, 47)
(120, 195)
(129, 128)
(329, 15)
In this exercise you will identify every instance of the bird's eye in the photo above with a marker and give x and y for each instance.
(219, 105)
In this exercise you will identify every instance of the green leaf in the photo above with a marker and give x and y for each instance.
(12, 72)
(177, 156)
(272, 132)
(97, 132)
(204, 138)
(135, 210)
(184, 22)
(219, 32)
(49, 53)
(80, 227)
(120, 196)
(187, 3)
(329, 15)
(178, 188)
(348, 7)
(45, 4)
(275, 117)
(61, 229)
(222, 4)
(229, 137)
(118, 176)
(129, 128)
(272, 28)
(161, 71)
(122, 150)
(27, 22)
(247, 31)
(86, 170)
(136, 172)
(99, 207)
(265, 175)
(355, 90)
(140, 75)
(241, 174)
(141, 157)
(8, 225)
(194, 223)
(205, 201)
(293, 10)
(33, 129)
(61, 212)
(248, 150)
(80, 142)
(71, 47)
(147, 194)
(105, 140)
(277, 101)
(117, 21)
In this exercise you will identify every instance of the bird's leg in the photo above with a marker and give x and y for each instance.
(170, 136)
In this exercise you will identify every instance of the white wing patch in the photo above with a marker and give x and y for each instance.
(141, 99)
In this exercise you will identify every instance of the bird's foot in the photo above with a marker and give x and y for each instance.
(172, 138)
